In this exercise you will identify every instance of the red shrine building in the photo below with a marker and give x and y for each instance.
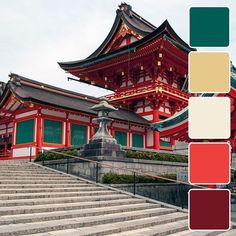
(145, 66)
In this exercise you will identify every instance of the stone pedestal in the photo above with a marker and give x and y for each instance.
(102, 148)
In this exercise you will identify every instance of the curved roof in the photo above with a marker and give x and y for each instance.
(126, 15)
(32, 91)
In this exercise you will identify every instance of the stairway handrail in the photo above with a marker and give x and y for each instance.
(130, 170)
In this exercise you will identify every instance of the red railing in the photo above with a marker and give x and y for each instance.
(5, 156)
(156, 87)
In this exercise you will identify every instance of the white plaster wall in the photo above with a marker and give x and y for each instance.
(10, 130)
(167, 110)
(29, 113)
(139, 110)
(20, 152)
(119, 125)
(79, 118)
(136, 128)
(2, 126)
(149, 137)
(53, 113)
(2, 131)
(9, 105)
(148, 108)
(15, 106)
(148, 117)
(48, 148)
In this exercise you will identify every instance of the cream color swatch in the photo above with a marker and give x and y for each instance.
(209, 118)
(209, 72)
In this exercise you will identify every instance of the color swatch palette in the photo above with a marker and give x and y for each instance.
(214, 76)
(209, 209)
(209, 119)
(209, 163)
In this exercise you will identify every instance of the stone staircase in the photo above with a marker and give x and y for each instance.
(37, 201)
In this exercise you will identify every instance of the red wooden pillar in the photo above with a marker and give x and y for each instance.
(172, 141)
(13, 137)
(156, 135)
(6, 141)
(91, 129)
(112, 130)
(129, 137)
(145, 138)
(39, 131)
(67, 138)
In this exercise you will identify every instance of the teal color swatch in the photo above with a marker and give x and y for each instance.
(209, 26)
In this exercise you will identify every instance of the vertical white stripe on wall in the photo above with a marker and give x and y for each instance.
(131, 139)
(14, 135)
(64, 133)
(88, 131)
(35, 129)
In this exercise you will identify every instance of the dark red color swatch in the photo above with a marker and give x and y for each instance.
(209, 209)
(209, 163)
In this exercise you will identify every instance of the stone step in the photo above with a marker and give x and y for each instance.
(196, 233)
(106, 224)
(64, 207)
(54, 195)
(25, 165)
(163, 229)
(145, 208)
(229, 233)
(38, 185)
(51, 190)
(21, 171)
(39, 201)
(25, 175)
(36, 178)
(27, 172)
(119, 227)
(19, 168)
(28, 168)
(22, 182)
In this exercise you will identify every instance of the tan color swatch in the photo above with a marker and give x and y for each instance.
(209, 118)
(209, 72)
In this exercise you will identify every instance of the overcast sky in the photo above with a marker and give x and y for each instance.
(36, 34)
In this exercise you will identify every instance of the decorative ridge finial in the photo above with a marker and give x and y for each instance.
(125, 7)
(14, 78)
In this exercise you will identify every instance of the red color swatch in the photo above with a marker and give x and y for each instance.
(209, 209)
(209, 163)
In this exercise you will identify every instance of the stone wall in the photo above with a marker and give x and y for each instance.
(121, 166)
(151, 167)
(170, 193)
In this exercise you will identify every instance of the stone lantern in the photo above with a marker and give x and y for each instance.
(103, 109)
(103, 145)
